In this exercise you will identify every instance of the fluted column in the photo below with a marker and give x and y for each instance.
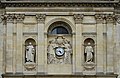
(19, 41)
(99, 54)
(78, 54)
(110, 43)
(41, 43)
(9, 43)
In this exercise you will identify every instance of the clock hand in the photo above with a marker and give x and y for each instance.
(60, 51)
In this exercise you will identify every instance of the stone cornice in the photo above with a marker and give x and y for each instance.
(22, 4)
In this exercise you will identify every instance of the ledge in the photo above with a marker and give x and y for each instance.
(60, 1)
(43, 75)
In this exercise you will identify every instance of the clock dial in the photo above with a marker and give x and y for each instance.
(59, 51)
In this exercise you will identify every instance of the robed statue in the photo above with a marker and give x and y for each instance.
(30, 52)
(89, 53)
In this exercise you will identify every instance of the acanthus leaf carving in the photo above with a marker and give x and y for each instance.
(20, 17)
(117, 17)
(40, 18)
(78, 18)
(10, 17)
(110, 18)
(99, 18)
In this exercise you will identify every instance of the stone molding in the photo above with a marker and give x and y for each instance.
(40, 18)
(80, 1)
(99, 18)
(78, 18)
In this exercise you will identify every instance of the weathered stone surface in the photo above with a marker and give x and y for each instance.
(98, 25)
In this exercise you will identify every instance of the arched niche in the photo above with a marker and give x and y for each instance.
(86, 41)
(89, 50)
(30, 51)
(59, 39)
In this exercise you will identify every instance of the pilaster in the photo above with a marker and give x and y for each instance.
(9, 43)
(78, 54)
(110, 43)
(1, 44)
(117, 46)
(19, 43)
(3, 22)
(41, 43)
(100, 58)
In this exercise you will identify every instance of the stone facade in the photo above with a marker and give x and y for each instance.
(65, 39)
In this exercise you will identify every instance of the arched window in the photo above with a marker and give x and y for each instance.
(59, 27)
(59, 30)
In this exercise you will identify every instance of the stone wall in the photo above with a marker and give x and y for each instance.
(100, 28)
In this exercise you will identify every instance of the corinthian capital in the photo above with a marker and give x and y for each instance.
(20, 17)
(117, 17)
(99, 18)
(41, 18)
(110, 18)
(78, 18)
(2, 18)
(10, 17)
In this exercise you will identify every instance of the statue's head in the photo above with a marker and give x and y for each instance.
(30, 43)
(89, 43)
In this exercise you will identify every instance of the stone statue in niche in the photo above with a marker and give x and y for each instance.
(30, 53)
(89, 53)
(60, 43)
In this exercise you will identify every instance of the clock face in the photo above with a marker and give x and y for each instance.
(59, 51)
